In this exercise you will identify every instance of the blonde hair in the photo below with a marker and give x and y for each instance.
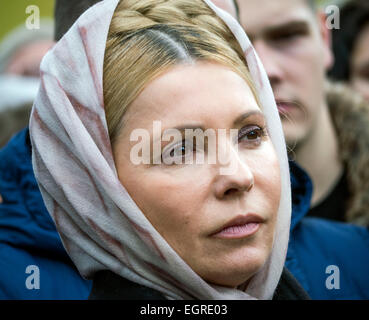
(146, 37)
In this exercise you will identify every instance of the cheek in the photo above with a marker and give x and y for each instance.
(170, 199)
(268, 194)
(306, 76)
(267, 180)
(305, 62)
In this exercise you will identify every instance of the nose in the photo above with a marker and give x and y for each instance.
(235, 178)
(270, 60)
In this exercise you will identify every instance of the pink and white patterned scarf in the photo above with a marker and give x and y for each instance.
(100, 225)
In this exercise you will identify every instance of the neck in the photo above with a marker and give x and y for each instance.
(318, 154)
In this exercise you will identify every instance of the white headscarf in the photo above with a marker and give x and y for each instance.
(100, 225)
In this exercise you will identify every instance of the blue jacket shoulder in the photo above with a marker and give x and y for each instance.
(330, 259)
(30, 247)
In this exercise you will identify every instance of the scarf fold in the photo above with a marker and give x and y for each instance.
(100, 225)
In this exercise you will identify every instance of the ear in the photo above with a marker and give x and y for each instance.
(326, 36)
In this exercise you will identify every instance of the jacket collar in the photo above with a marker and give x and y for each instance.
(302, 189)
(23, 216)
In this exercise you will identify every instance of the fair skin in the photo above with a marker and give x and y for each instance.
(294, 46)
(359, 77)
(189, 203)
(26, 60)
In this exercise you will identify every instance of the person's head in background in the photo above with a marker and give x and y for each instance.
(21, 52)
(351, 47)
(293, 42)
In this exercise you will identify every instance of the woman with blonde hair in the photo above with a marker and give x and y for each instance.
(146, 219)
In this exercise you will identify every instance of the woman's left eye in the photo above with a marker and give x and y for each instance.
(252, 134)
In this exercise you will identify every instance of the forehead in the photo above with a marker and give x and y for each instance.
(205, 92)
(257, 16)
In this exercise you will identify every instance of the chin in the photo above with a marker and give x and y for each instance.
(237, 270)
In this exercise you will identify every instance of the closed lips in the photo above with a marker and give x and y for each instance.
(239, 227)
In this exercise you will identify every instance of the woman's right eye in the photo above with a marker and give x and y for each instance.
(252, 135)
(179, 151)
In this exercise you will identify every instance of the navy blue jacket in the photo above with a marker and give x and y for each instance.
(329, 259)
(28, 236)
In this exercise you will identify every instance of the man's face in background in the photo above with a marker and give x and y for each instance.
(294, 46)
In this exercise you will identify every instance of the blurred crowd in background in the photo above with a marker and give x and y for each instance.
(21, 51)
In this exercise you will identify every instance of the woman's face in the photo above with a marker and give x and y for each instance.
(218, 216)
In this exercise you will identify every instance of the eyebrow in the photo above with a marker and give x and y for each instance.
(181, 128)
(288, 26)
(246, 115)
(236, 122)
